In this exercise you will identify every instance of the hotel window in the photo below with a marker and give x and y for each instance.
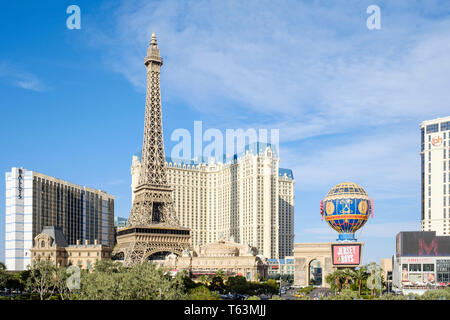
(445, 126)
(433, 128)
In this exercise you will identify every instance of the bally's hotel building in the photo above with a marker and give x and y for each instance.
(435, 172)
(35, 200)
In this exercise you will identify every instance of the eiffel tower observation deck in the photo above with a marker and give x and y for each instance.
(152, 230)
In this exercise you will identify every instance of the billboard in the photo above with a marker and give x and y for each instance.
(422, 244)
(346, 254)
(428, 277)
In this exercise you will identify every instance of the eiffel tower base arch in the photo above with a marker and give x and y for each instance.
(137, 244)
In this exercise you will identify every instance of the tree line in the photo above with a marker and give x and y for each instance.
(110, 280)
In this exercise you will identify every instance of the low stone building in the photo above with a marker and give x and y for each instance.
(314, 261)
(51, 244)
(226, 255)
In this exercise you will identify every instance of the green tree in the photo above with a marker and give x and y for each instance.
(204, 279)
(203, 293)
(61, 287)
(220, 273)
(142, 282)
(217, 284)
(42, 278)
(188, 282)
(237, 285)
(375, 279)
(348, 275)
(272, 286)
(3, 276)
(110, 266)
(360, 275)
(335, 280)
(14, 282)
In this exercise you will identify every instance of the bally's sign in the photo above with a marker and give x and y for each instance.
(20, 184)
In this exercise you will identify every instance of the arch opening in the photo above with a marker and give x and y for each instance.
(315, 273)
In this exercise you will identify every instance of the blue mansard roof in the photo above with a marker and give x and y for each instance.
(288, 172)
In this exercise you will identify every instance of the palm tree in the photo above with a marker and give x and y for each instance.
(360, 275)
(220, 273)
(348, 275)
(336, 279)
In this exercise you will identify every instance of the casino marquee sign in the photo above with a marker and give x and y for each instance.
(346, 254)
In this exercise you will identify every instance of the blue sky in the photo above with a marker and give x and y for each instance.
(348, 101)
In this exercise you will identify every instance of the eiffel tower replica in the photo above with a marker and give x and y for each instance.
(152, 228)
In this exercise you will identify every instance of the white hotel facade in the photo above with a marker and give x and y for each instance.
(435, 175)
(249, 199)
(35, 200)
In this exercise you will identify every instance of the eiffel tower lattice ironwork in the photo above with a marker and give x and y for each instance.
(152, 226)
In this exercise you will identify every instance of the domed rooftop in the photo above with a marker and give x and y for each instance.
(226, 248)
(347, 190)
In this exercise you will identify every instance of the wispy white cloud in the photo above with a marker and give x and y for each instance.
(314, 65)
(386, 163)
(25, 80)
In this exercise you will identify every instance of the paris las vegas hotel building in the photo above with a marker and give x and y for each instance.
(249, 199)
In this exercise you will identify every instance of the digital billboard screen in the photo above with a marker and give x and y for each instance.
(346, 254)
(422, 244)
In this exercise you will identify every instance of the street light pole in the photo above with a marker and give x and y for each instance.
(281, 279)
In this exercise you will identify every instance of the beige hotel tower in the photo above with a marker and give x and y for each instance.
(249, 199)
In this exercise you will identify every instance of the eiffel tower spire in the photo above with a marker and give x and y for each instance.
(153, 203)
(152, 228)
(153, 169)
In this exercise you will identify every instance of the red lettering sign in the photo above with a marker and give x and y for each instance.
(436, 141)
(346, 254)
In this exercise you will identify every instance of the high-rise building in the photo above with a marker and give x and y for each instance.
(435, 175)
(249, 199)
(35, 200)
